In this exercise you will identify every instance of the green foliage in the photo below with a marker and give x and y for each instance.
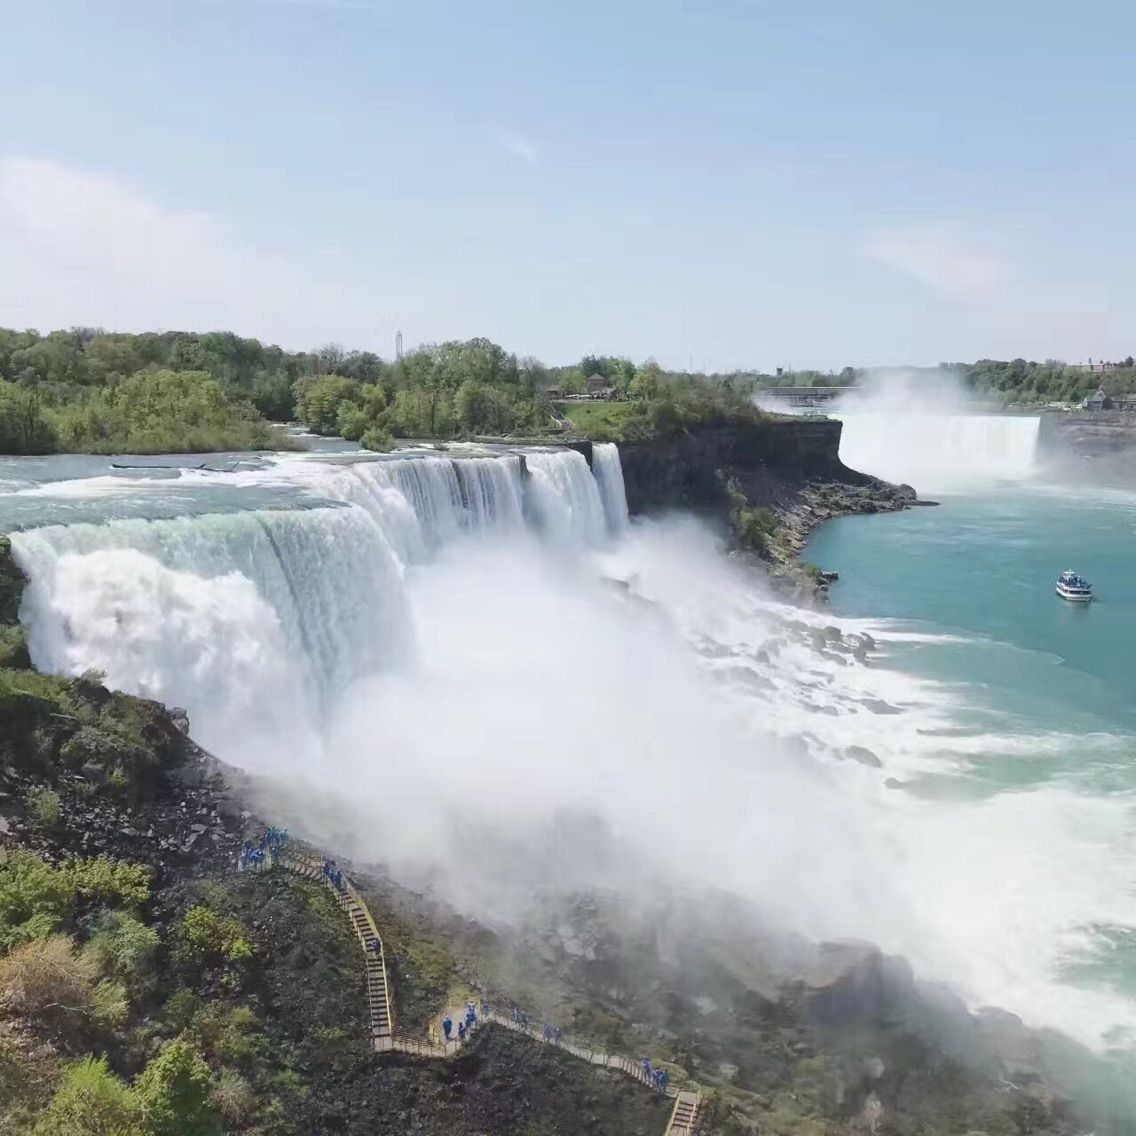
(103, 880)
(754, 528)
(233, 1098)
(606, 421)
(180, 1008)
(377, 439)
(203, 934)
(162, 412)
(24, 426)
(352, 421)
(232, 1036)
(122, 947)
(90, 1101)
(45, 810)
(318, 401)
(173, 1093)
(36, 898)
(13, 647)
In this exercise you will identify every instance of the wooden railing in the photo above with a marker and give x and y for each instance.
(686, 1094)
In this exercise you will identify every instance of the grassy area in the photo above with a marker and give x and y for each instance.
(603, 421)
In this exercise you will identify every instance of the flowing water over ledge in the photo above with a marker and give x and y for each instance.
(424, 639)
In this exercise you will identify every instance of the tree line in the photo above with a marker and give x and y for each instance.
(87, 390)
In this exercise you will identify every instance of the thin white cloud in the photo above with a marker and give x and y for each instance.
(79, 248)
(520, 147)
(941, 259)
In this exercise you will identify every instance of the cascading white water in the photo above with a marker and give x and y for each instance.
(938, 452)
(254, 620)
(416, 684)
(565, 497)
(608, 472)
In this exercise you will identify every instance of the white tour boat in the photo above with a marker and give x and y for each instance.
(1072, 587)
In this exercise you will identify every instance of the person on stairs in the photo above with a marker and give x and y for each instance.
(447, 1026)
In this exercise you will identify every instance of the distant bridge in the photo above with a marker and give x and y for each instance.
(804, 396)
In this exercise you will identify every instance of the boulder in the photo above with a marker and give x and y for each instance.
(879, 706)
(863, 755)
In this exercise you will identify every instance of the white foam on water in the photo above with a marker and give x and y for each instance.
(449, 643)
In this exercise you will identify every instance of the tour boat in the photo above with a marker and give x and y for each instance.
(1070, 586)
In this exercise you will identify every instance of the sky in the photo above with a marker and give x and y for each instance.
(717, 185)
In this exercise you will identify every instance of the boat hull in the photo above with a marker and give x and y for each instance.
(1075, 597)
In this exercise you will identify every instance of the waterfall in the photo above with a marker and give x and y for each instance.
(608, 473)
(258, 622)
(565, 497)
(940, 451)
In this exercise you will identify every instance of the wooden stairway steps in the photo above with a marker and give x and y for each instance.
(684, 1118)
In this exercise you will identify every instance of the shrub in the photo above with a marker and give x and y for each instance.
(90, 1101)
(34, 898)
(109, 881)
(46, 983)
(352, 421)
(122, 947)
(205, 934)
(180, 1008)
(13, 647)
(45, 810)
(173, 1093)
(754, 528)
(377, 439)
(233, 1097)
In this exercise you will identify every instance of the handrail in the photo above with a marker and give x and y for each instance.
(349, 895)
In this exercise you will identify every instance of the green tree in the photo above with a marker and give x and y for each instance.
(647, 381)
(24, 427)
(90, 1101)
(173, 1093)
(318, 402)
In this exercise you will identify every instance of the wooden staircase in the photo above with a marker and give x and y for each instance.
(378, 990)
(684, 1118)
(685, 1115)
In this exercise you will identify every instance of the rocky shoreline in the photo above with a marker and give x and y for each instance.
(824, 502)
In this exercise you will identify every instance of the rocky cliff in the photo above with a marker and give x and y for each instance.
(1089, 441)
(772, 461)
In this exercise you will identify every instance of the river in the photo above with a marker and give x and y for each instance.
(1030, 779)
(431, 652)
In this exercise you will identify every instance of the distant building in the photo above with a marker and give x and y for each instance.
(1098, 400)
(554, 394)
(597, 384)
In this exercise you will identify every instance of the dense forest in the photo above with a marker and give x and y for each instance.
(1023, 383)
(86, 390)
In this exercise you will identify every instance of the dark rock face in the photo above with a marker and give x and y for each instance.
(12, 583)
(1097, 441)
(770, 460)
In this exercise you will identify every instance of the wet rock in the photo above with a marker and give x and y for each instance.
(863, 755)
(894, 783)
(833, 635)
(879, 706)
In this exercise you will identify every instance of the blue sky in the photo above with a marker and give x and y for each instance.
(724, 183)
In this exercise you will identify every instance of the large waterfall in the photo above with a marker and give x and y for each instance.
(258, 621)
(939, 452)
(471, 667)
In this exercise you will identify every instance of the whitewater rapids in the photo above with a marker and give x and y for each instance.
(422, 647)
